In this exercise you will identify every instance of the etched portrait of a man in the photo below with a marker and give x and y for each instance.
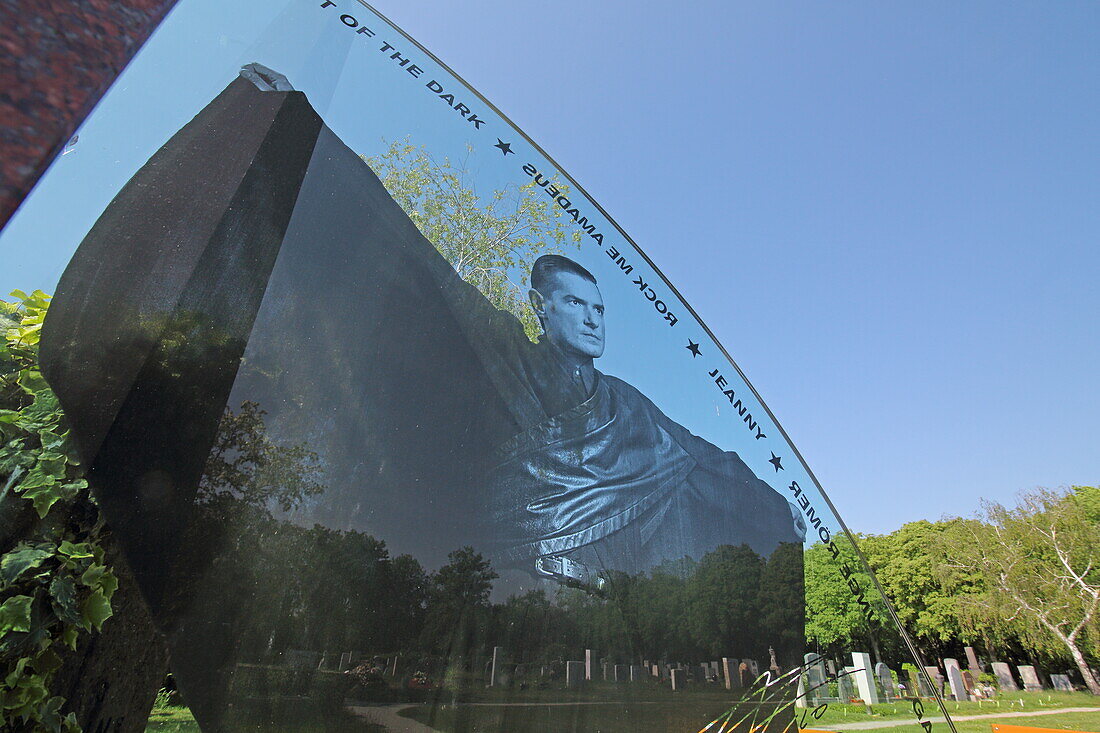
(606, 480)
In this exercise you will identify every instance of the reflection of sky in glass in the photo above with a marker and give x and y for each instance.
(368, 98)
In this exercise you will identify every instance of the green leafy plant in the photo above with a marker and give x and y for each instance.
(55, 582)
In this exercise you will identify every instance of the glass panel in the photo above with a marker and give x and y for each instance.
(384, 408)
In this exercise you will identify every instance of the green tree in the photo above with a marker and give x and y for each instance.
(458, 604)
(723, 613)
(487, 239)
(835, 619)
(909, 564)
(1040, 562)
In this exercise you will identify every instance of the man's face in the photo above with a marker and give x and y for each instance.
(572, 315)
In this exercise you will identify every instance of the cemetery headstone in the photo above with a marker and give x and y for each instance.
(495, 669)
(1061, 683)
(845, 688)
(917, 686)
(588, 664)
(1030, 677)
(949, 663)
(864, 677)
(622, 673)
(345, 661)
(637, 673)
(969, 681)
(744, 674)
(1005, 680)
(936, 677)
(574, 674)
(729, 673)
(815, 676)
(754, 668)
(679, 678)
(972, 660)
(886, 680)
(955, 680)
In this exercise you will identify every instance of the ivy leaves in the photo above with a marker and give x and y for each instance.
(55, 583)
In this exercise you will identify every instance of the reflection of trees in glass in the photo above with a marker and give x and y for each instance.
(485, 237)
(245, 466)
(282, 586)
(458, 613)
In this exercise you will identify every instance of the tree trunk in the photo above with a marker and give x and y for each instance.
(874, 647)
(112, 678)
(1083, 667)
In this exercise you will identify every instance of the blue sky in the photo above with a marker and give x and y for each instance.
(887, 215)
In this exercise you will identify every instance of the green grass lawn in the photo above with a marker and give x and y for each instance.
(691, 712)
(1008, 703)
(603, 718)
(180, 720)
(654, 708)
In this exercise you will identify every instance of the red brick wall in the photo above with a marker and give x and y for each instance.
(57, 58)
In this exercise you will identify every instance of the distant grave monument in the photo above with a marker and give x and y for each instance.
(955, 680)
(574, 674)
(864, 677)
(1005, 680)
(886, 680)
(1061, 683)
(1030, 677)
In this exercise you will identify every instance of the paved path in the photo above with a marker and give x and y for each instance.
(387, 716)
(869, 724)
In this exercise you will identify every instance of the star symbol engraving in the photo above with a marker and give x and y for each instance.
(694, 349)
(777, 462)
(505, 148)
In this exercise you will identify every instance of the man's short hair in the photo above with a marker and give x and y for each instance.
(547, 266)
